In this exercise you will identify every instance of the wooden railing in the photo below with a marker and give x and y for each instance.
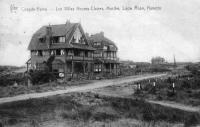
(108, 58)
(78, 58)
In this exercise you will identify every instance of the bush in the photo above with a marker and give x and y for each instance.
(104, 116)
(170, 93)
(84, 113)
(186, 84)
(10, 79)
(38, 77)
(70, 115)
(191, 120)
(148, 114)
(159, 69)
(12, 121)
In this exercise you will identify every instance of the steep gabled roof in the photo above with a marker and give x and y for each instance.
(66, 30)
(99, 37)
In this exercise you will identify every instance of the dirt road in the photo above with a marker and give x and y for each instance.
(87, 87)
(176, 105)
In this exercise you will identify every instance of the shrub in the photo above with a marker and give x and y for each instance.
(170, 93)
(38, 77)
(191, 120)
(10, 79)
(104, 116)
(12, 121)
(69, 115)
(186, 84)
(148, 114)
(84, 113)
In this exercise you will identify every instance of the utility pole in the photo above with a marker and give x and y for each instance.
(174, 61)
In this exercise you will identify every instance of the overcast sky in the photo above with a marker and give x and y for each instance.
(139, 35)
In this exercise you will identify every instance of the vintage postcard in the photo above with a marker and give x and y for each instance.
(99, 63)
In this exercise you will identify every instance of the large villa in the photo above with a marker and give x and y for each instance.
(72, 53)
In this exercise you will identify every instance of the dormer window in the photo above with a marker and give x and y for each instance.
(105, 47)
(61, 39)
(97, 44)
(42, 40)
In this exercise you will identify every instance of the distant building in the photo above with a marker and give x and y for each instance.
(157, 60)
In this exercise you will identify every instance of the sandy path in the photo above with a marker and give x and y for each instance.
(87, 87)
(176, 105)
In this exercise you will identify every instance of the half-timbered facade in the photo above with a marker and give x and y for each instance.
(106, 62)
(72, 53)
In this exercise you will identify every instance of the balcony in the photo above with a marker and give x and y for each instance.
(108, 58)
(78, 58)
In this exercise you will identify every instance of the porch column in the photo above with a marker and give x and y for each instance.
(110, 67)
(102, 69)
(27, 67)
(114, 67)
(83, 67)
(72, 66)
(65, 69)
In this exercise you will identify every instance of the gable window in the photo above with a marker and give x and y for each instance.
(77, 36)
(61, 39)
(82, 41)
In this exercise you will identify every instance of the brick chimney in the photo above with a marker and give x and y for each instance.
(67, 22)
(102, 33)
(48, 35)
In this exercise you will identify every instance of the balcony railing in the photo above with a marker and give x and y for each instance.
(78, 58)
(108, 58)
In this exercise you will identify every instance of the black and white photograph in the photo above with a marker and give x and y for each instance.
(99, 63)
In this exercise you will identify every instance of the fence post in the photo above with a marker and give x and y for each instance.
(173, 86)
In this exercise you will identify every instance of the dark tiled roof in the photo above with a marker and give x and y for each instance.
(99, 37)
(78, 46)
(57, 30)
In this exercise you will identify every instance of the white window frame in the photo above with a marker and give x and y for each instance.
(62, 52)
(61, 39)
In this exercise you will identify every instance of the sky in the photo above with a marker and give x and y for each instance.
(174, 29)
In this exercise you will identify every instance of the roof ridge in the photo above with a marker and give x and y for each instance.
(60, 24)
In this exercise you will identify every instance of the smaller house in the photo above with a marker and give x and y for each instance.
(106, 61)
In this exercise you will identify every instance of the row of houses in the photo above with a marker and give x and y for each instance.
(71, 52)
